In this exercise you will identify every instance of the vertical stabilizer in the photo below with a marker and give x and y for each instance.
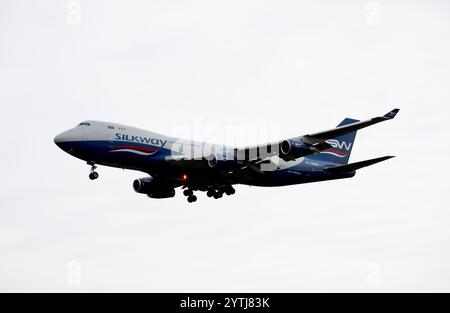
(341, 147)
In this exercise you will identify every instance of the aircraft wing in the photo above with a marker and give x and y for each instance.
(342, 130)
(315, 142)
(249, 157)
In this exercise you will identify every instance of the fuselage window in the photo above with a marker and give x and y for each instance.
(110, 127)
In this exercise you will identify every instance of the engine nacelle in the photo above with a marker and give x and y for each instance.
(169, 193)
(152, 188)
(215, 162)
(144, 185)
(292, 149)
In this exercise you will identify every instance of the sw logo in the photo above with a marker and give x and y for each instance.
(337, 147)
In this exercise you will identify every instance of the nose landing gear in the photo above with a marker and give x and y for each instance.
(93, 174)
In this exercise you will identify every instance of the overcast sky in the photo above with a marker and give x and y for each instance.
(267, 68)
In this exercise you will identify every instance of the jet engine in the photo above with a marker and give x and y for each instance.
(153, 188)
(215, 162)
(169, 193)
(292, 149)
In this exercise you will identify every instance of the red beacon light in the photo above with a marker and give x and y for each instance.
(185, 177)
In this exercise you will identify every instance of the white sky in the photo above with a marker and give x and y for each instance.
(292, 67)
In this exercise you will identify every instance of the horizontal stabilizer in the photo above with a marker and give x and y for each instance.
(355, 166)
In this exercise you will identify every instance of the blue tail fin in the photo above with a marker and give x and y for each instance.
(341, 147)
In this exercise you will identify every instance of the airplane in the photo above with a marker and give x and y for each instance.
(196, 166)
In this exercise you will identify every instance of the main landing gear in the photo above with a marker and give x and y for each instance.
(93, 174)
(216, 194)
(190, 195)
(210, 192)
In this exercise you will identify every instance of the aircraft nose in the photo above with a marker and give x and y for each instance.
(60, 138)
(63, 139)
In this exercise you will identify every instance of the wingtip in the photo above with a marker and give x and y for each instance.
(392, 113)
(385, 158)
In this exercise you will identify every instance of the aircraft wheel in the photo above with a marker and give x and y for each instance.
(192, 198)
(229, 191)
(188, 192)
(210, 193)
(93, 175)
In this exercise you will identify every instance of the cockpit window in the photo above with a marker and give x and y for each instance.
(84, 124)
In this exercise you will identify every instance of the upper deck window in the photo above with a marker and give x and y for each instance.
(84, 124)
(110, 127)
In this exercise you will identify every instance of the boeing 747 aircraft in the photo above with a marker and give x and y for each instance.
(196, 166)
